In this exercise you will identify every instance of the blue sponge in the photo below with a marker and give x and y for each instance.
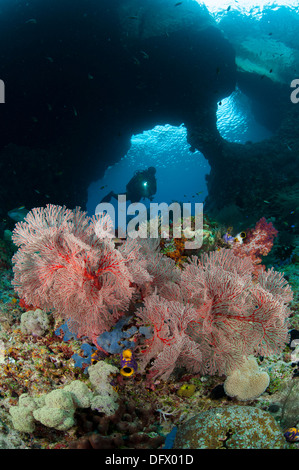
(115, 341)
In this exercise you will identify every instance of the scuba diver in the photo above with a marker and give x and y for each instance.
(143, 184)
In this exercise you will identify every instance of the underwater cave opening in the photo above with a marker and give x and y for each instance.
(180, 173)
(236, 121)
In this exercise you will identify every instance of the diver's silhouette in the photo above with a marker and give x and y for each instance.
(143, 184)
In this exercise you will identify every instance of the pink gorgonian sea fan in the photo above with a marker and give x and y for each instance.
(63, 265)
(215, 315)
(150, 269)
(170, 345)
(240, 314)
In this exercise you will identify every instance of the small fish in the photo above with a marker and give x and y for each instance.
(102, 187)
(228, 8)
(46, 195)
(90, 77)
(178, 3)
(267, 202)
(240, 237)
(186, 390)
(136, 61)
(270, 71)
(32, 21)
(133, 17)
(18, 214)
(145, 55)
(200, 192)
(75, 111)
(50, 59)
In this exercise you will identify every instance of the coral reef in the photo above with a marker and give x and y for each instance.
(188, 320)
(231, 427)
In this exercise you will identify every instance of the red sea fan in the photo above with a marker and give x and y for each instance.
(62, 264)
(149, 268)
(169, 344)
(240, 315)
(217, 314)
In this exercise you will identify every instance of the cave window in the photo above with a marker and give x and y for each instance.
(180, 172)
(236, 122)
